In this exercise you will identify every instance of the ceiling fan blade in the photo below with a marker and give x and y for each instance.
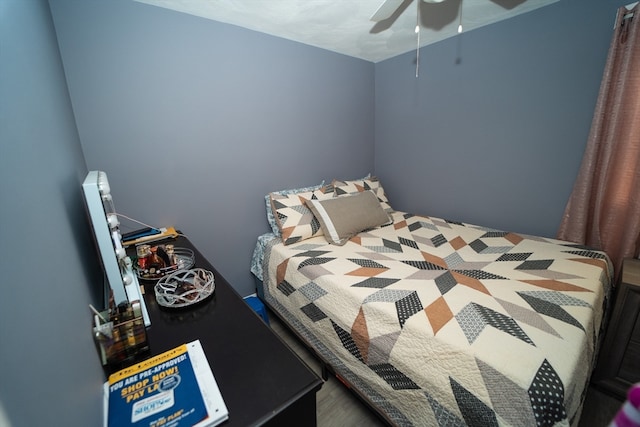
(386, 9)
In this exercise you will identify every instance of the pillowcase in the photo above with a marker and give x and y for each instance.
(295, 221)
(341, 218)
(270, 218)
(371, 183)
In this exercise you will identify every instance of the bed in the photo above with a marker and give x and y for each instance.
(434, 322)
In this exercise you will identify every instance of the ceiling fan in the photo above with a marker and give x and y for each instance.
(388, 7)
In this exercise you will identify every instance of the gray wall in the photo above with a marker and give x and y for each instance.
(493, 130)
(50, 373)
(195, 121)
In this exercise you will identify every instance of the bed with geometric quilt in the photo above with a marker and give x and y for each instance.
(436, 322)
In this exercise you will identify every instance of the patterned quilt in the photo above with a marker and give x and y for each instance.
(444, 323)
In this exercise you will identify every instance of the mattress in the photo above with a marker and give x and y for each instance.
(438, 322)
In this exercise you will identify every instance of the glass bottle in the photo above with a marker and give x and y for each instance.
(155, 263)
(169, 249)
(143, 252)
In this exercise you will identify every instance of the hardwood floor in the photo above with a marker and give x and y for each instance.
(337, 406)
(599, 409)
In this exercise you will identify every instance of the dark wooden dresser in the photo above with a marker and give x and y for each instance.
(619, 361)
(262, 381)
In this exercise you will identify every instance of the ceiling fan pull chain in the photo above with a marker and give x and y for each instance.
(418, 39)
(460, 22)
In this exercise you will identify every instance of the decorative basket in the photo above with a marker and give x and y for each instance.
(184, 288)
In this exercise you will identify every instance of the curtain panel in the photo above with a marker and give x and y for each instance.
(603, 210)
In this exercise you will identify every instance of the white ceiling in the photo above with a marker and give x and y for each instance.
(344, 26)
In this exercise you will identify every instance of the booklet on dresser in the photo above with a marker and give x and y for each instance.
(174, 389)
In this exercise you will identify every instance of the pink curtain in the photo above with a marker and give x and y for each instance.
(604, 208)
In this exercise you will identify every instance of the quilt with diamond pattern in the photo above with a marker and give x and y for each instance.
(441, 323)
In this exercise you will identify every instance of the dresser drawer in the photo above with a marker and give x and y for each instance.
(619, 359)
(630, 365)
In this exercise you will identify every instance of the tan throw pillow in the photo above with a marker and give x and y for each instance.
(341, 218)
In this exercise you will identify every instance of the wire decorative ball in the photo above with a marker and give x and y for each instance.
(184, 288)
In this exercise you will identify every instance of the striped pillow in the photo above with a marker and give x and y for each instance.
(341, 218)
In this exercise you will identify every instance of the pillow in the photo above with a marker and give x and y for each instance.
(295, 221)
(341, 218)
(270, 218)
(371, 183)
